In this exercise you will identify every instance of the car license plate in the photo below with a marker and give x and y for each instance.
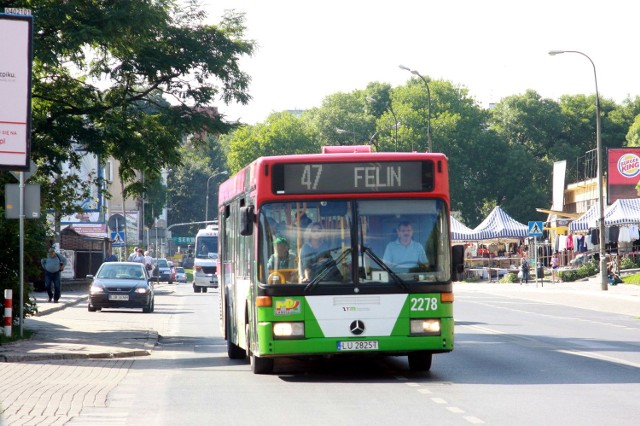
(358, 345)
(118, 297)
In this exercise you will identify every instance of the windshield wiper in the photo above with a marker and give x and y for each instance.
(396, 279)
(328, 264)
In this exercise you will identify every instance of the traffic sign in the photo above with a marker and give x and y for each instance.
(116, 222)
(535, 229)
(117, 239)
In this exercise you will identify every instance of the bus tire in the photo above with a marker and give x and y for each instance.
(234, 351)
(204, 289)
(420, 361)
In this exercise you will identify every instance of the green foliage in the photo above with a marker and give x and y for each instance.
(509, 278)
(628, 263)
(587, 270)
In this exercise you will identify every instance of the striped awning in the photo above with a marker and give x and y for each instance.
(586, 221)
(624, 211)
(500, 225)
(460, 232)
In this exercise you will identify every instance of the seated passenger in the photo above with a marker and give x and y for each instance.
(281, 258)
(404, 254)
(315, 256)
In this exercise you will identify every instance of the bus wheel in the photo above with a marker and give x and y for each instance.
(234, 351)
(204, 289)
(420, 361)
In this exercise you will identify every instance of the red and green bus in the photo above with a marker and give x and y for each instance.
(346, 252)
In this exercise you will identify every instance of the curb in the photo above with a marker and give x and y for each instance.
(148, 346)
(61, 306)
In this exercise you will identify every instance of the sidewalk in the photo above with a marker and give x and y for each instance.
(588, 294)
(62, 337)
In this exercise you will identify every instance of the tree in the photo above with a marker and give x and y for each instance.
(281, 134)
(126, 79)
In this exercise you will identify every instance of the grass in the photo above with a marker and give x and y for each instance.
(15, 335)
(632, 279)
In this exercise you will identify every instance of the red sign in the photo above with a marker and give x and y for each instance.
(623, 173)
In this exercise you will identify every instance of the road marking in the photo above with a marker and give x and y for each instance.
(439, 400)
(600, 357)
(455, 410)
(474, 420)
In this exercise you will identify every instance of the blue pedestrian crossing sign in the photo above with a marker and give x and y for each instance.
(117, 239)
(535, 229)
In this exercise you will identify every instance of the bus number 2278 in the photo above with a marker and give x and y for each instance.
(424, 304)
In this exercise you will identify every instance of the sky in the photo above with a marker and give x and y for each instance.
(495, 48)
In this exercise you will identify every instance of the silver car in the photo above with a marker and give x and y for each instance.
(121, 285)
(181, 275)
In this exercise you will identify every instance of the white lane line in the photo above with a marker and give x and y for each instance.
(455, 410)
(438, 400)
(600, 357)
(425, 391)
(473, 420)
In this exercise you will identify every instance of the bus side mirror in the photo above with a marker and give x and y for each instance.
(247, 217)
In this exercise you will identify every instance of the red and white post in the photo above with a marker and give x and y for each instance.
(8, 311)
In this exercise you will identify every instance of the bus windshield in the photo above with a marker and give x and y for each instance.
(396, 242)
(206, 247)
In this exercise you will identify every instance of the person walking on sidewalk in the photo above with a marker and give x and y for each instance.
(555, 263)
(524, 269)
(53, 265)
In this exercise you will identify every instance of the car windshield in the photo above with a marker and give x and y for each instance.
(162, 263)
(180, 270)
(370, 242)
(121, 272)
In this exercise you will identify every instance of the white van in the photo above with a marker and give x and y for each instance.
(205, 259)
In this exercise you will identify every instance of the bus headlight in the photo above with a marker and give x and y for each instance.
(425, 327)
(288, 330)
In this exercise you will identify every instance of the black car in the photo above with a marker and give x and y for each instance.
(121, 285)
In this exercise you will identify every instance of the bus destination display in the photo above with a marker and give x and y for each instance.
(340, 178)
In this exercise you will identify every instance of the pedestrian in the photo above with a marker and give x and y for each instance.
(139, 257)
(133, 255)
(148, 261)
(555, 263)
(53, 265)
(524, 269)
(110, 257)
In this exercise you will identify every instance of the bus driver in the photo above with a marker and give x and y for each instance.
(404, 254)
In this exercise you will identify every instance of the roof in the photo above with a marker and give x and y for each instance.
(460, 232)
(498, 224)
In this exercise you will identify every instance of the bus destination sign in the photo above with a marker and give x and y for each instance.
(342, 178)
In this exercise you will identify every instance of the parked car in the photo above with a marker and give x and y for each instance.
(121, 285)
(162, 271)
(181, 275)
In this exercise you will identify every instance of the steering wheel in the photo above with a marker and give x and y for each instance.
(276, 277)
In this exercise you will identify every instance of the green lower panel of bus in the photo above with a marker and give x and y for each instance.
(352, 344)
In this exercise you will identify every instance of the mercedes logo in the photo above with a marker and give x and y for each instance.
(357, 327)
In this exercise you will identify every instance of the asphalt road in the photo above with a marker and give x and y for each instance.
(521, 357)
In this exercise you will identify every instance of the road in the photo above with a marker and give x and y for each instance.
(516, 361)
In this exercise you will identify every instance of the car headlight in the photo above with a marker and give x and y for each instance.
(96, 289)
(141, 290)
(288, 330)
(425, 327)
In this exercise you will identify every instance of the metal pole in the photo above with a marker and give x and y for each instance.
(21, 252)
(414, 72)
(601, 225)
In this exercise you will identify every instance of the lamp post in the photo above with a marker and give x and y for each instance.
(395, 120)
(378, 131)
(601, 224)
(347, 132)
(206, 207)
(414, 72)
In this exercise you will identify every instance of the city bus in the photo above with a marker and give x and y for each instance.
(205, 259)
(285, 294)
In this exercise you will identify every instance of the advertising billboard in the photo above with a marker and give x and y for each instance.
(623, 173)
(15, 92)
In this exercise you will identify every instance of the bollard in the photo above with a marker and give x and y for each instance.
(8, 311)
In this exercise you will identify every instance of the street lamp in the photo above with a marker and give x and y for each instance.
(347, 132)
(601, 224)
(206, 207)
(395, 119)
(378, 131)
(414, 72)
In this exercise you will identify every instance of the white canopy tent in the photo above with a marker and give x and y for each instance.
(500, 225)
(460, 232)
